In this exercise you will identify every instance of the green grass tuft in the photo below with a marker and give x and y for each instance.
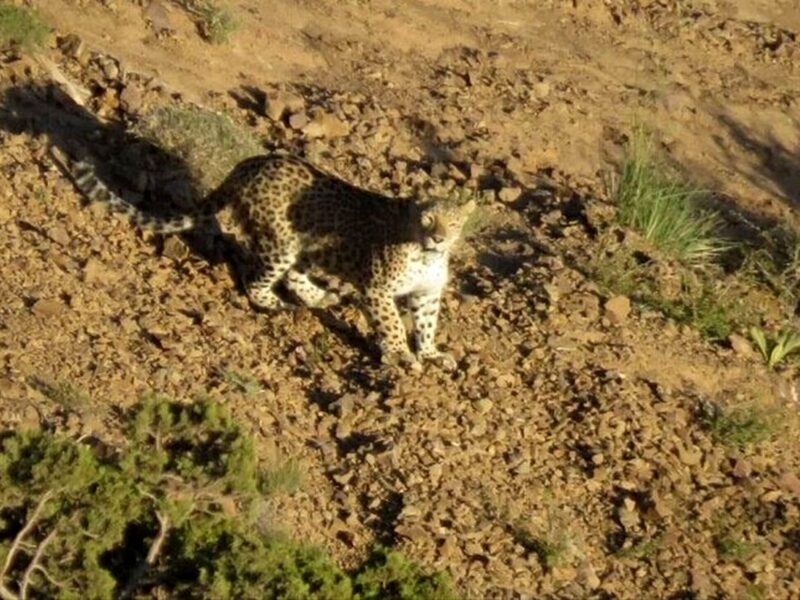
(285, 477)
(21, 27)
(663, 209)
(741, 426)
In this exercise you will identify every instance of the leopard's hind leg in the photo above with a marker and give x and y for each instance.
(271, 262)
(309, 293)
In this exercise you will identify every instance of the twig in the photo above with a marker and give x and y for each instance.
(155, 548)
(7, 594)
(152, 555)
(34, 565)
(43, 571)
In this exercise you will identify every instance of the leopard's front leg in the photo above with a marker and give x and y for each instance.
(425, 314)
(385, 316)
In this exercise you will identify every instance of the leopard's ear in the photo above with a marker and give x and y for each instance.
(428, 221)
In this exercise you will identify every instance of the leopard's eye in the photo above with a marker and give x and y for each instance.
(427, 221)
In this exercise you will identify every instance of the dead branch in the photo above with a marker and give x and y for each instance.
(17, 544)
(77, 93)
(35, 565)
(7, 594)
(18, 539)
(152, 556)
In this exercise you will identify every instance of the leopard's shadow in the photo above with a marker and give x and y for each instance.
(119, 158)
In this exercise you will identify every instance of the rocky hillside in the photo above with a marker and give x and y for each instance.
(600, 438)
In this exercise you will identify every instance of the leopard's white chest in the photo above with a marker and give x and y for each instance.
(426, 273)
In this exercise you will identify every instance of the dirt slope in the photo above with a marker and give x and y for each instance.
(567, 421)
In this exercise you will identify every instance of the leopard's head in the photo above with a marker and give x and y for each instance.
(442, 223)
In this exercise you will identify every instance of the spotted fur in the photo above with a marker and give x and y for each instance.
(305, 226)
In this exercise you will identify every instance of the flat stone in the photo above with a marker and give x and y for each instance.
(298, 120)
(617, 309)
(48, 307)
(509, 194)
(541, 89)
(280, 103)
(131, 99)
(741, 345)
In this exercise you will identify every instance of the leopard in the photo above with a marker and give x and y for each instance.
(305, 227)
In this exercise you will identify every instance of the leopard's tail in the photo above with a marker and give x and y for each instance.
(83, 175)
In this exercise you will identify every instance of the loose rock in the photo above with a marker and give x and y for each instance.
(617, 309)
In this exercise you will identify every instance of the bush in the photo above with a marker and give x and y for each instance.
(208, 142)
(176, 514)
(215, 23)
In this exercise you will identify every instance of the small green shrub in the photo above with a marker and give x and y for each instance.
(243, 382)
(389, 574)
(176, 514)
(63, 393)
(21, 27)
(740, 426)
(733, 547)
(553, 543)
(700, 302)
(705, 312)
(775, 262)
(208, 142)
(663, 209)
(640, 550)
(215, 23)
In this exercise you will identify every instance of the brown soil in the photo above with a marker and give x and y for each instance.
(567, 420)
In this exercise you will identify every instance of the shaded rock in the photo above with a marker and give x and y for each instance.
(175, 248)
(277, 105)
(131, 98)
(412, 531)
(298, 120)
(628, 514)
(742, 468)
(790, 482)
(158, 15)
(73, 46)
(94, 271)
(110, 69)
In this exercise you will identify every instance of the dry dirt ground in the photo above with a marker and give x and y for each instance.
(566, 423)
